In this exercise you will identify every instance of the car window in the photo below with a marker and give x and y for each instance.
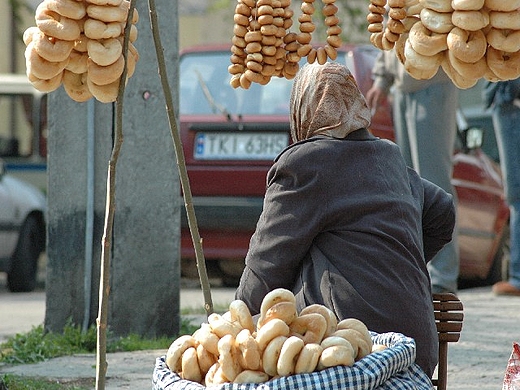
(205, 89)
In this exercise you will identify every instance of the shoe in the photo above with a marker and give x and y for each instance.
(505, 288)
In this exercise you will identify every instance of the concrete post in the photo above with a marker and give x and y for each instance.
(145, 265)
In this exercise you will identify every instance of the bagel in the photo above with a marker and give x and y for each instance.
(105, 2)
(39, 66)
(334, 340)
(357, 341)
(461, 81)
(271, 355)
(379, 348)
(209, 378)
(289, 355)
(470, 20)
(467, 46)
(421, 62)
(104, 93)
(437, 5)
(69, 8)
(472, 70)
(439, 22)
(205, 359)
(249, 353)
(505, 40)
(218, 376)
(285, 311)
(108, 13)
(96, 29)
(274, 328)
(467, 5)
(103, 75)
(76, 86)
(77, 62)
(29, 34)
(503, 64)
(221, 327)
(308, 358)
(132, 58)
(425, 41)
(80, 44)
(337, 355)
(175, 351)
(249, 376)
(52, 49)
(502, 5)
(328, 314)
(105, 51)
(354, 323)
(48, 85)
(275, 296)
(399, 48)
(227, 357)
(55, 25)
(240, 313)
(204, 335)
(505, 20)
(420, 73)
(310, 327)
(190, 369)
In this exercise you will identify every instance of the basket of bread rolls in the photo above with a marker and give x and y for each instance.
(468, 39)
(284, 348)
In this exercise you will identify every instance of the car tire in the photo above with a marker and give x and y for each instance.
(499, 269)
(24, 263)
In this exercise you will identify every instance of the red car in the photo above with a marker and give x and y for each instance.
(231, 136)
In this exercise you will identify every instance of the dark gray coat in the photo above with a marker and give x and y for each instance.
(346, 224)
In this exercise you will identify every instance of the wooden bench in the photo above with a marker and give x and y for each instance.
(449, 316)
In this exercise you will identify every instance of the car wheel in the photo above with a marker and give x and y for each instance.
(24, 264)
(500, 268)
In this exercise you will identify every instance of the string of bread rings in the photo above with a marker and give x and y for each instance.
(231, 348)
(263, 45)
(468, 39)
(79, 44)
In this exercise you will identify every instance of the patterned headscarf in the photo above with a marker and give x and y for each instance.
(325, 99)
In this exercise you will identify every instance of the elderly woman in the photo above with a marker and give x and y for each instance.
(345, 223)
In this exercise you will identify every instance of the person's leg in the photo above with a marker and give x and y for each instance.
(432, 130)
(506, 120)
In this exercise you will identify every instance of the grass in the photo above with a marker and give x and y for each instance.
(38, 345)
(12, 382)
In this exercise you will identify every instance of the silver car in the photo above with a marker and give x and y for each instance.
(22, 231)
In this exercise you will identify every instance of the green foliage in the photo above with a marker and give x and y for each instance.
(12, 382)
(38, 345)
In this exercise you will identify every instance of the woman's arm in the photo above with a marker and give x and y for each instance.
(438, 219)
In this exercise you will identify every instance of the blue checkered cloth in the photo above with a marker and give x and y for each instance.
(390, 369)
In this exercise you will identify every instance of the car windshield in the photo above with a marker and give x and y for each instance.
(205, 89)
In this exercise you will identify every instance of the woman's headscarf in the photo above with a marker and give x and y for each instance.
(325, 99)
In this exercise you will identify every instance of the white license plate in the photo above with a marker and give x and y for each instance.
(239, 146)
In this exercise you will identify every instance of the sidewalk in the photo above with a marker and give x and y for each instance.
(477, 361)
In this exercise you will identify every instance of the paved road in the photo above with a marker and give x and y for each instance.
(477, 361)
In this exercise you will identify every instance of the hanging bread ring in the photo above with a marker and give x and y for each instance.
(384, 36)
(307, 27)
